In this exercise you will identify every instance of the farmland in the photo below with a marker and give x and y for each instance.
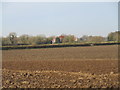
(67, 67)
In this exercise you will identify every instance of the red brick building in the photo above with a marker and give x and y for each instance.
(61, 38)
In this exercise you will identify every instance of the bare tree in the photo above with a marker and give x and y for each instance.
(24, 39)
(69, 39)
(5, 41)
(13, 38)
(96, 39)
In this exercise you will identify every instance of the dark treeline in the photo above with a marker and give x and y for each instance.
(13, 39)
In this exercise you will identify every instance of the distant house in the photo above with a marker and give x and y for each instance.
(55, 39)
(59, 39)
(75, 39)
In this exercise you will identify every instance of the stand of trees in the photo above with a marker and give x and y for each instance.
(68, 39)
(92, 39)
(12, 39)
(114, 36)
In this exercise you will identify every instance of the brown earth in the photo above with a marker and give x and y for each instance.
(95, 66)
(57, 79)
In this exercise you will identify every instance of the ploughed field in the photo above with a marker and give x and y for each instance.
(70, 67)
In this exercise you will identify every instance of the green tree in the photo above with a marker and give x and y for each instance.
(114, 36)
(57, 40)
(35, 40)
(49, 40)
(69, 39)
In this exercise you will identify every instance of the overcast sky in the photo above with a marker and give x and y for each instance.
(56, 18)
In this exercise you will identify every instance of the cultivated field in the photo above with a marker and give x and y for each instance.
(69, 67)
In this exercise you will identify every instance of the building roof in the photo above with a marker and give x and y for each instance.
(61, 36)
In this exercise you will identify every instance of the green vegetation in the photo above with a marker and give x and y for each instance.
(114, 36)
(57, 45)
(26, 41)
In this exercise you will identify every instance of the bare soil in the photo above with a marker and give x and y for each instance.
(71, 67)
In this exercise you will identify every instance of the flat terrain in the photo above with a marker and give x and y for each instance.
(70, 67)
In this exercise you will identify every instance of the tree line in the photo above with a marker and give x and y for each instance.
(13, 39)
